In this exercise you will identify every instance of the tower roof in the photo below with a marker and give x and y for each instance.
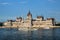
(39, 16)
(9, 20)
(29, 14)
(50, 18)
(19, 17)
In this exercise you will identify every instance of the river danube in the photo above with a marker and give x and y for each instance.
(40, 34)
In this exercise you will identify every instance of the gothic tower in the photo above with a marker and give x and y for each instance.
(29, 19)
(29, 15)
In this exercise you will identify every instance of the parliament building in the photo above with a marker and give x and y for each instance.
(30, 22)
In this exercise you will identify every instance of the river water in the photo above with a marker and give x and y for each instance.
(40, 34)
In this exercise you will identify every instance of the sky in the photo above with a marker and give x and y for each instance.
(10, 9)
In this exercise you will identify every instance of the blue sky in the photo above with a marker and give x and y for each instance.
(10, 9)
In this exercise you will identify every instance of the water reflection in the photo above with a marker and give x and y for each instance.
(40, 34)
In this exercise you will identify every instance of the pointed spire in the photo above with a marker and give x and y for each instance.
(29, 13)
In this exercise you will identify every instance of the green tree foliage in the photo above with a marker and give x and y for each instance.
(58, 24)
(1, 24)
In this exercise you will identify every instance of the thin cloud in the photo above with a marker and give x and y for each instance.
(23, 2)
(50, 0)
(4, 3)
(53, 1)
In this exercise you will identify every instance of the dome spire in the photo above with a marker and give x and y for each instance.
(29, 13)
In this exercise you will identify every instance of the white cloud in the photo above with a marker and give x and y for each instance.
(4, 3)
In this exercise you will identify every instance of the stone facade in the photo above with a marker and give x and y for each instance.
(30, 22)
